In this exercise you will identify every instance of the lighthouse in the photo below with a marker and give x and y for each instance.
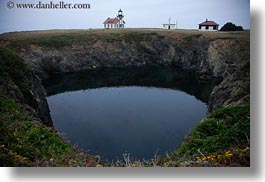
(117, 22)
(120, 17)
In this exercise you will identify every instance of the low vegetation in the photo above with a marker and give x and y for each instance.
(13, 68)
(222, 139)
(190, 38)
(57, 39)
(26, 142)
(68, 40)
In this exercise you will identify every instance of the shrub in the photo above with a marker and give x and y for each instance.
(231, 27)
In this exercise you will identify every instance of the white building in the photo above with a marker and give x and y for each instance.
(169, 26)
(208, 26)
(117, 22)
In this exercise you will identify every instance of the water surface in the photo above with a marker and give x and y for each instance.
(121, 117)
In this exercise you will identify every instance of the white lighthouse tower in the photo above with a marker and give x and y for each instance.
(120, 17)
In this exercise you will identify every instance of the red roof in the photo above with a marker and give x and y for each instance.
(111, 21)
(209, 23)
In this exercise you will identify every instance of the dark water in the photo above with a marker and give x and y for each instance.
(141, 111)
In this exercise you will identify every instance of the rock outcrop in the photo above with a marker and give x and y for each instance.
(234, 90)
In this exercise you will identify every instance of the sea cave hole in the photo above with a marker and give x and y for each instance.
(142, 111)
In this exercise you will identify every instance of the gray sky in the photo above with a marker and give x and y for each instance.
(141, 13)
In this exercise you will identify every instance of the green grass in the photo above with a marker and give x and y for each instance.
(138, 37)
(54, 41)
(190, 38)
(58, 39)
(67, 40)
(224, 128)
(26, 142)
(127, 37)
(12, 65)
(14, 73)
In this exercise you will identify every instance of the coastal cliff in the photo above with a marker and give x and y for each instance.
(28, 58)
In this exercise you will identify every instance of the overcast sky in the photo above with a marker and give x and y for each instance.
(138, 13)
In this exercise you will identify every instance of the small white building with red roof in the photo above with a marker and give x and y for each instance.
(117, 22)
(208, 26)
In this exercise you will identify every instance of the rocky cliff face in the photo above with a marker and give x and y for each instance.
(233, 90)
(17, 81)
(230, 60)
(190, 55)
(223, 56)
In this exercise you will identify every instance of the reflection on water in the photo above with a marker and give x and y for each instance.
(141, 111)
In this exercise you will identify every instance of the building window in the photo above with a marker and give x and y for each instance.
(207, 27)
